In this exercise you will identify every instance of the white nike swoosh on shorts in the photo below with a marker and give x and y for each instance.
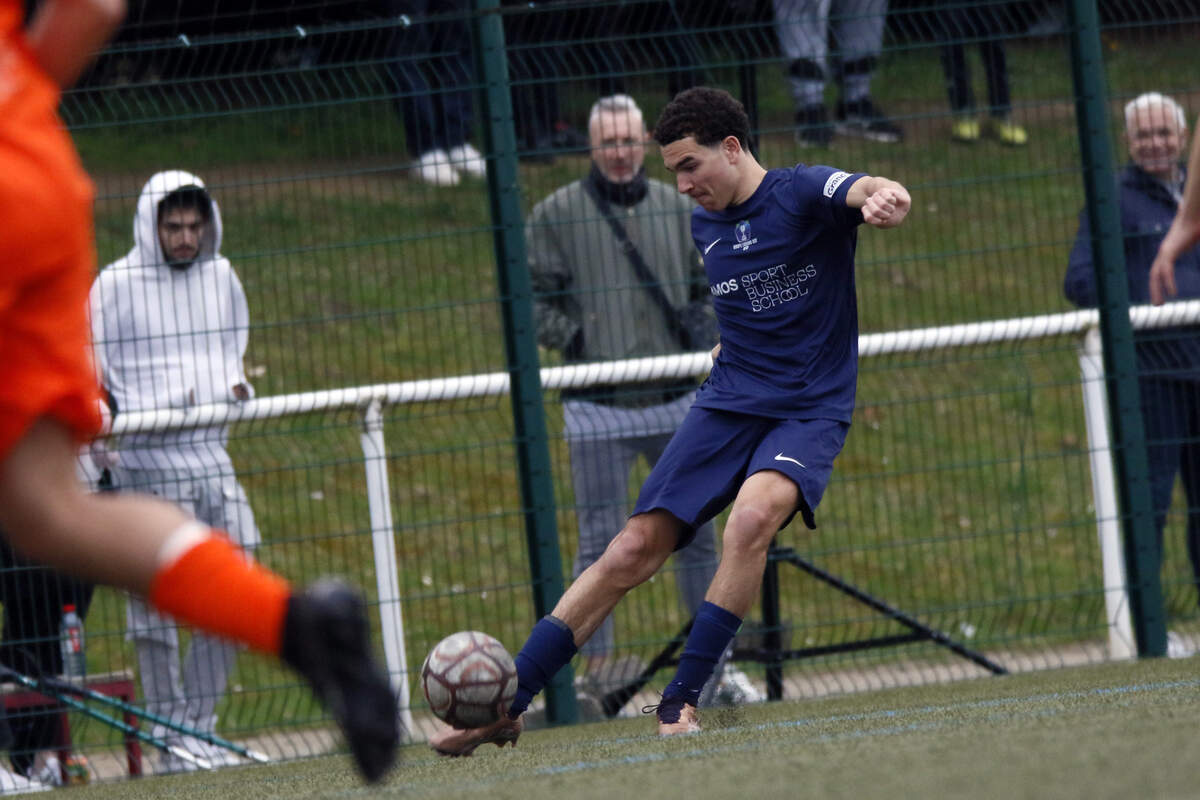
(782, 457)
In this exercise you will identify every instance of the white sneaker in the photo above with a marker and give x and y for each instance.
(217, 756)
(736, 688)
(47, 769)
(12, 783)
(169, 763)
(1178, 646)
(433, 167)
(466, 158)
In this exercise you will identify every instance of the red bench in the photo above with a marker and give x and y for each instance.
(114, 684)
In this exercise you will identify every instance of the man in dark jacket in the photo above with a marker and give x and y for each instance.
(1168, 358)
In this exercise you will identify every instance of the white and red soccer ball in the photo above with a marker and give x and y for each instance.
(469, 679)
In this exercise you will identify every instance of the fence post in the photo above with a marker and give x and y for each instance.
(1104, 498)
(772, 626)
(1142, 550)
(387, 573)
(520, 337)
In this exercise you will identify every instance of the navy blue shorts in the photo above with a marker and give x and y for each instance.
(713, 453)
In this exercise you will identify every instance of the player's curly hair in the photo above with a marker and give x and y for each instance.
(708, 115)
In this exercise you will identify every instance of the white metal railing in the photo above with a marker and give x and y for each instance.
(628, 370)
(370, 401)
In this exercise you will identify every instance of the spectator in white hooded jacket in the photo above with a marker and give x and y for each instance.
(170, 325)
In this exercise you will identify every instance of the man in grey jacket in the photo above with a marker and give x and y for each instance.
(594, 303)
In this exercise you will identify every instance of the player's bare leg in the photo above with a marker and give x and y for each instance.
(110, 538)
(636, 553)
(199, 577)
(631, 559)
(765, 500)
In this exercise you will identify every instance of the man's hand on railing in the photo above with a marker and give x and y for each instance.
(1162, 277)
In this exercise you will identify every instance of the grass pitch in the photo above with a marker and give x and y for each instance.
(1117, 730)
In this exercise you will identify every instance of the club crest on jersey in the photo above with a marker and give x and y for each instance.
(743, 235)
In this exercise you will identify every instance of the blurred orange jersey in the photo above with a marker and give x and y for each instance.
(47, 257)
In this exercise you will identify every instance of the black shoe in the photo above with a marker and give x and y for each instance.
(325, 640)
(864, 119)
(812, 127)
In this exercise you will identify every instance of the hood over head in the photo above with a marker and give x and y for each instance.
(147, 249)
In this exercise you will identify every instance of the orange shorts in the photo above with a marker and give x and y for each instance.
(47, 259)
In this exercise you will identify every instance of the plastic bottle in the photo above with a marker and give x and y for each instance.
(77, 769)
(70, 637)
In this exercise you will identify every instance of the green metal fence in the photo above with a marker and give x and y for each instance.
(964, 495)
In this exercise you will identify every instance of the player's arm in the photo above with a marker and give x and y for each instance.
(102, 457)
(1183, 234)
(65, 34)
(884, 202)
(236, 336)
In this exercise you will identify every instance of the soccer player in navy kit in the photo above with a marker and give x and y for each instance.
(778, 248)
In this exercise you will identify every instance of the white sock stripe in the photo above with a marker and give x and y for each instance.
(181, 540)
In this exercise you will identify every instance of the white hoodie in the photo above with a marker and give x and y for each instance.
(170, 338)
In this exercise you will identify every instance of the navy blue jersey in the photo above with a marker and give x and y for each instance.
(781, 273)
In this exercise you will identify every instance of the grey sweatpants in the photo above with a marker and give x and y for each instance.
(805, 28)
(604, 442)
(187, 692)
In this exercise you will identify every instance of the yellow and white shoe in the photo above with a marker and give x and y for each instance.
(965, 129)
(1006, 131)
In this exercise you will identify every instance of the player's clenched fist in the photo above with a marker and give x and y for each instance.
(884, 203)
(887, 207)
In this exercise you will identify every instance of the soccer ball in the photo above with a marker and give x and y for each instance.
(469, 679)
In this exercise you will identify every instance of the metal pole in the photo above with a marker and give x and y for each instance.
(772, 625)
(387, 572)
(520, 337)
(1121, 643)
(124, 727)
(748, 88)
(1142, 550)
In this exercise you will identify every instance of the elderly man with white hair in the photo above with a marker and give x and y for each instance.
(1151, 187)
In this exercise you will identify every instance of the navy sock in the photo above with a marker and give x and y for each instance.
(711, 633)
(549, 648)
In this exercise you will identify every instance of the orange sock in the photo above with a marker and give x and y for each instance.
(215, 586)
